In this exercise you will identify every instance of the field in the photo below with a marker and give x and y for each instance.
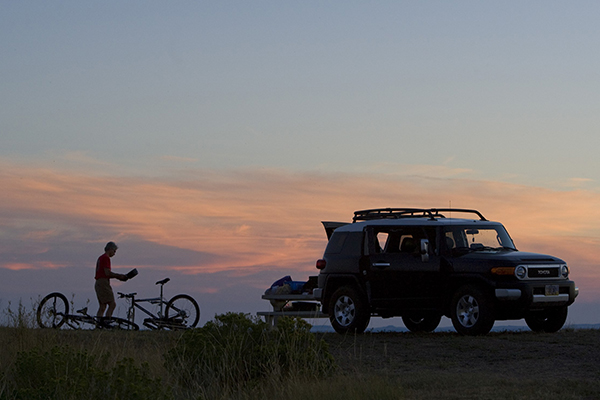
(501, 365)
(517, 365)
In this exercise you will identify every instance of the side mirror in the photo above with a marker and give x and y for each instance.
(424, 250)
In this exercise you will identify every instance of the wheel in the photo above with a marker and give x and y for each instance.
(426, 323)
(550, 320)
(182, 311)
(119, 323)
(52, 311)
(348, 312)
(472, 313)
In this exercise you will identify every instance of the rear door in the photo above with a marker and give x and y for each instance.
(401, 276)
(331, 226)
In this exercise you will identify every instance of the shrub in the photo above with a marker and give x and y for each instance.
(63, 373)
(236, 349)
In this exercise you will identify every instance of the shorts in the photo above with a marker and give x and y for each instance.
(103, 291)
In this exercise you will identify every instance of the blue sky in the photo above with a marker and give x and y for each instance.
(228, 101)
(505, 91)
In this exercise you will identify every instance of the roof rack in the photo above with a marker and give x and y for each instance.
(397, 213)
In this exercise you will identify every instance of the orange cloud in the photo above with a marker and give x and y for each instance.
(24, 266)
(260, 218)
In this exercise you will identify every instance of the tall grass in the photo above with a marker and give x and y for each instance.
(20, 316)
(234, 356)
(236, 353)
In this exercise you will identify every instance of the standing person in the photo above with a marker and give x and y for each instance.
(104, 292)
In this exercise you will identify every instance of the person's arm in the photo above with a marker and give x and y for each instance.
(110, 274)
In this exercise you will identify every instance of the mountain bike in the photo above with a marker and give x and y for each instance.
(53, 312)
(181, 312)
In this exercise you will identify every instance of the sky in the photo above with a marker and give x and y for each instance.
(209, 139)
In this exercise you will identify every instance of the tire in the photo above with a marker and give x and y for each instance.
(52, 311)
(183, 311)
(120, 324)
(348, 312)
(550, 320)
(472, 312)
(426, 323)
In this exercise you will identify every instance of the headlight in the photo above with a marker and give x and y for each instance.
(521, 272)
(564, 271)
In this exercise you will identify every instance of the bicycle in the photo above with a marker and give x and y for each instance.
(53, 312)
(181, 312)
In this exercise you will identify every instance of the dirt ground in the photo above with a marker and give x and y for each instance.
(573, 354)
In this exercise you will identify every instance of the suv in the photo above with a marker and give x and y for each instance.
(420, 265)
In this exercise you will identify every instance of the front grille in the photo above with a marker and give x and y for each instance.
(543, 272)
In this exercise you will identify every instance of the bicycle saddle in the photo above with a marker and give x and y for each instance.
(163, 281)
(82, 311)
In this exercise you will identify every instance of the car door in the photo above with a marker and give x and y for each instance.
(403, 268)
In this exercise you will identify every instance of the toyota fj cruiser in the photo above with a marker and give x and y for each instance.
(421, 265)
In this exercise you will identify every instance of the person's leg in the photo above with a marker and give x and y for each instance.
(111, 307)
(101, 309)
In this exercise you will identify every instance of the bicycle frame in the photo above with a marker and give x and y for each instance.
(181, 312)
(152, 300)
(155, 321)
(74, 320)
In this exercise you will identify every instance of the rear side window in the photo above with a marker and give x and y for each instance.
(399, 239)
(336, 242)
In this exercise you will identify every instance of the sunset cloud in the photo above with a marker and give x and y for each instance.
(248, 222)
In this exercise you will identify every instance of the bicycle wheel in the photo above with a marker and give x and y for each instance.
(182, 311)
(119, 323)
(52, 311)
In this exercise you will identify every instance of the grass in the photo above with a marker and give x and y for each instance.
(224, 360)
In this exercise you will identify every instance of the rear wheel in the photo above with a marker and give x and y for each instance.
(348, 312)
(472, 313)
(550, 320)
(182, 311)
(52, 311)
(422, 323)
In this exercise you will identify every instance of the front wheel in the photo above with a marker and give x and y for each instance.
(52, 311)
(549, 321)
(472, 313)
(348, 312)
(422, 323)
(182, 312)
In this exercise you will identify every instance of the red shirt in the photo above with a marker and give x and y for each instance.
(102, 263)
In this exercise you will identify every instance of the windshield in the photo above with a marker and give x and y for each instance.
(478, 238)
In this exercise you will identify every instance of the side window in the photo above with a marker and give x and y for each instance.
(381, 241)
(399, 240)
(408, 244)
(391, 240)
(450, 242)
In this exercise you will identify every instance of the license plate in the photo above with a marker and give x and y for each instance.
(551, 290)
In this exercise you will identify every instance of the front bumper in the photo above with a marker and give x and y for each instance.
(535, 294)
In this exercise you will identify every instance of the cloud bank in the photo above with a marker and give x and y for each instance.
(230, 233)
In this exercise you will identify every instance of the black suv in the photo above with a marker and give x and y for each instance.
(420, 265)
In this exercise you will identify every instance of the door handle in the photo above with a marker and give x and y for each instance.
(381, 264)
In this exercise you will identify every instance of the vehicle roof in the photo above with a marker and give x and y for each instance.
(425, 222)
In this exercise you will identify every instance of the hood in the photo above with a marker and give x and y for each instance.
(510, 257)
